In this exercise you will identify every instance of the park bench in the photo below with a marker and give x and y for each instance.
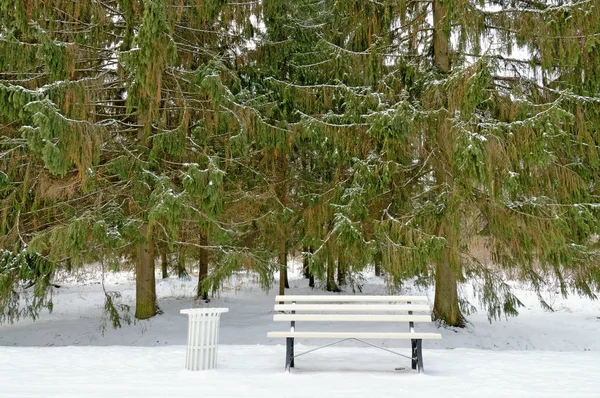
(339, 308)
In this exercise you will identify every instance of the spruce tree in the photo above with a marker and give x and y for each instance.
(443, 138)
(54, 64)
(400, 133)
(305, 137)
(116, 107)
(493, 99)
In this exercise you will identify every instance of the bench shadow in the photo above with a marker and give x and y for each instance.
(340, 366)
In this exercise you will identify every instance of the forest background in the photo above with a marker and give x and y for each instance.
(407, 135)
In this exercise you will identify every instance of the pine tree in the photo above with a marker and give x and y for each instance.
(497, 147)
(301, 89)
(50, 142)
(448, 139)
(116, 107)
(400, 133)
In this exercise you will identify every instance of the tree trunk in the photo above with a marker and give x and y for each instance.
(163, 262)
(203, 267)
(341, 271)
(283, 274)
(448, 269)
(285, 269)
(181, 257)
(282, 193)
(181, 271)
(145, 286)
(331, 285)
(377, 260)
(445, 307)
(440, 37)
(306, 269)
(377, 269)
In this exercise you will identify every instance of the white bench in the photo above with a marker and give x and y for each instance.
(338, 308)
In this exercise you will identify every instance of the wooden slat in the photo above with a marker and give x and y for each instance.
(359, 335)
(352, 307)
(354, 299)
(351, 318)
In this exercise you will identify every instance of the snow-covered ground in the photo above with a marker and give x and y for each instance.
(257, 372)
(65, 354)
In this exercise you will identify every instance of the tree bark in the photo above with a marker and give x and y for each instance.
(448, 269)
(446, 307)
(377, 269)
(377, 260)
(163, 262)
(282, 193)
(440, 37)
(331, 285)
(306, 269)
(202, 266)
(181, 271)
(145, 287)
(283, 274)
(341, 271)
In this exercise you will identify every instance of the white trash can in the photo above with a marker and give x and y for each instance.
(203, 337)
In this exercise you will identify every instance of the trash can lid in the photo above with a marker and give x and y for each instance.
(203, 310)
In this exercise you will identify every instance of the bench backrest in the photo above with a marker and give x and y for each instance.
(353, 308)
(353, 299)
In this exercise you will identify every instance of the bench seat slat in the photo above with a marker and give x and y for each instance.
(351, 318)
(337, 299)
(353, 307)
(358, 335)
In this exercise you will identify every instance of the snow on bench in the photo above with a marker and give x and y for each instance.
(341, 308)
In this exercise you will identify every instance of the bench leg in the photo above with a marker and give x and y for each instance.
(414, 360)
(289, 353)
(420, 355)
(292, 355)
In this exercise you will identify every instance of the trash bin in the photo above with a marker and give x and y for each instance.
(203, 337)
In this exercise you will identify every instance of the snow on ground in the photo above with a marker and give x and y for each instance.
(65, 354)
(257, 372)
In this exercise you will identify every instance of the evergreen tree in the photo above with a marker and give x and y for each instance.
(399, 133)
(300, 90)
(494, 145)
(51, 141)
(115, 108)
(444, 138)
